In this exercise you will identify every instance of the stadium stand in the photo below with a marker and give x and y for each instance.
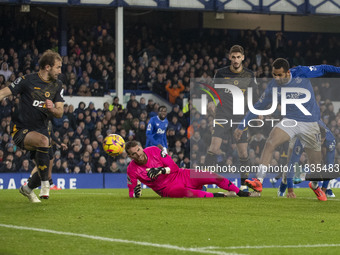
(151, 61)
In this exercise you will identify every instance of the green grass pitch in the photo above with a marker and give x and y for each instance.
(107, 221)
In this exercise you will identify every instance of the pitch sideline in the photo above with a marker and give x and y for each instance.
(270, 246)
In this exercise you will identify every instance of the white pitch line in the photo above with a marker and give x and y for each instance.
(310, 198)
(271, 246)
(100, 238)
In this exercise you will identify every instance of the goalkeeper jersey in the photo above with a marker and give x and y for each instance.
(156, 158)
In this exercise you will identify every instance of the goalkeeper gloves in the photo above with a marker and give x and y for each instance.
(137, 192)
(154, 172)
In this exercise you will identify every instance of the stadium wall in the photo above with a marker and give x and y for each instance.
(108, 181)
(186, 19)
(322, 24)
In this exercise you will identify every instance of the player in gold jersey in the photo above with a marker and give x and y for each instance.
(237, 75)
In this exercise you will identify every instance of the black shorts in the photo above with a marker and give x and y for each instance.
(19, 135)
(225, 131)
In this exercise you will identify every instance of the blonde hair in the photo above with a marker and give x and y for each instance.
(48, 58)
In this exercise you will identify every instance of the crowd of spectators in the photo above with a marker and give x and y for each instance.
(156, 61)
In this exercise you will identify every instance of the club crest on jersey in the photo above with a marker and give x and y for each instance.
(163, 154)
(25, 131)
(47, 94)
(298, 149)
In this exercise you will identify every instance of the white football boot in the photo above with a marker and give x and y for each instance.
(32, 197)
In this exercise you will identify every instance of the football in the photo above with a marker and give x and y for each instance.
(114, 145)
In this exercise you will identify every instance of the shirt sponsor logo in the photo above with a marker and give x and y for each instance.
(38, 103)
(160, 131)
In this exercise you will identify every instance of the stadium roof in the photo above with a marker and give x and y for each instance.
(300, 7)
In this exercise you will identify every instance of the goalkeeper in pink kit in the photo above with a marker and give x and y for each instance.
(159, 172)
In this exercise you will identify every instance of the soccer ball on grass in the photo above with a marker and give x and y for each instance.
(114, 145)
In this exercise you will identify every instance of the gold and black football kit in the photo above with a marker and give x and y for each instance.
(32, 114)
(243, 80)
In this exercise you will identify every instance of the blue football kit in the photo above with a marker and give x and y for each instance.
(329, 144)
(156, 132)
(298, 79)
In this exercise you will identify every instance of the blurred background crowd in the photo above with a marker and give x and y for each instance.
(161, 60)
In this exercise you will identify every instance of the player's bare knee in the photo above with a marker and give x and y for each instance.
(42, 141)
(213, 148)
(215, 145)
(271, 144)
(314, 157)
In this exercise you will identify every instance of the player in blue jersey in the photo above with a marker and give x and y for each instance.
(301, 117)
(156, 130)
(328, 153)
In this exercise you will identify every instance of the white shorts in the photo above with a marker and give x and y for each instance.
(308, 133)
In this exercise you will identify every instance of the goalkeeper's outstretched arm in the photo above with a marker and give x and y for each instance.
(134, 185)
